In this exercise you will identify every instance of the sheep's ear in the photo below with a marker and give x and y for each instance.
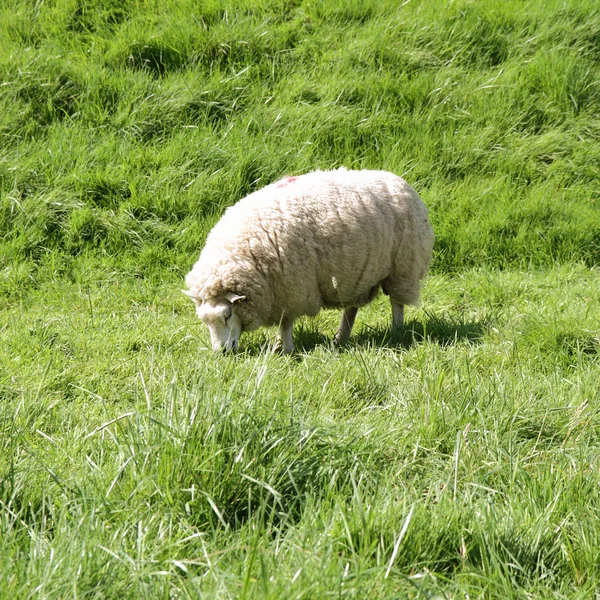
(233, 297)
(188, 293)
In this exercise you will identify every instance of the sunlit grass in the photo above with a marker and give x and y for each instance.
(455, 457)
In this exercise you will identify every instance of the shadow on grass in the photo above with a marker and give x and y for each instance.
(441, 331)
(438, 330)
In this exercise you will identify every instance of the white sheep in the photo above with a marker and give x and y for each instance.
(321, 240)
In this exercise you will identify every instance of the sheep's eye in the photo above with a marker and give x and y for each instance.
(227, 315)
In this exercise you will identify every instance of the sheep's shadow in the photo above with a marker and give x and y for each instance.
(441, 331)
(438, 330)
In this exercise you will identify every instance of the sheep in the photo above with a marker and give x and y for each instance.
(326, 239)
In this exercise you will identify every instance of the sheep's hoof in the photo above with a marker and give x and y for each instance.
(279, 348)
(340, 339)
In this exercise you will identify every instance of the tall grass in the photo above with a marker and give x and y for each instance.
(454, 459)
(135, 464)
(128, 127)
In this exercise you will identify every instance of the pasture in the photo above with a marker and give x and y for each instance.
(457, 458)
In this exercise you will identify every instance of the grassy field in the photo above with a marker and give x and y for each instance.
(457, 458)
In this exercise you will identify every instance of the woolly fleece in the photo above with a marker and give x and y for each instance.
(324, 239)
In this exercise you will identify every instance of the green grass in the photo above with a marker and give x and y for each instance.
(457, 458)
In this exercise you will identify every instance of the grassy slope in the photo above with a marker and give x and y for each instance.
(133, 463)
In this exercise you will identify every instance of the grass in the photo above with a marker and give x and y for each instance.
(454, 459)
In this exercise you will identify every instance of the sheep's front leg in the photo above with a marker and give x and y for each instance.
(397, 314)
(285, 341)
(346, 324)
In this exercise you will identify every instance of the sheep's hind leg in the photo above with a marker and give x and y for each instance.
(346, 324)
(285, 341)
(397, 314)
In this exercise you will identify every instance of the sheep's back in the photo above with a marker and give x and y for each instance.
(320, 239)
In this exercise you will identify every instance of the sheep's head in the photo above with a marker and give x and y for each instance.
(219, 315)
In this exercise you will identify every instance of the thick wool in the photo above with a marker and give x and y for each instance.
(324, 239)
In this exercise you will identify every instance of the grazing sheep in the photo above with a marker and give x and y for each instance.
(321, 240)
